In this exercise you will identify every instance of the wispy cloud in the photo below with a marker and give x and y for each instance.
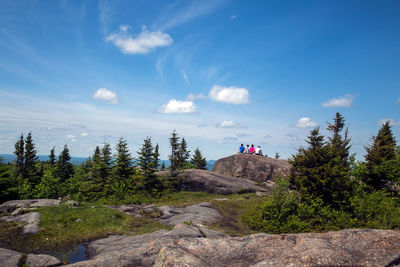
(192, 97)
(305, 123)
(185, 77)
(178, 107)
(343, 101)
(230, 95)
(106, 95)
(145, 42)
(229, 139)
(232, 17)
(229, 124)
(188, 12)
(392, 122)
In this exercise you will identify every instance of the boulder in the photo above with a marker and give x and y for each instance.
(252, 167)
(10, 258)
(201, 213)
(212, 182)
(187, 245)
(27, 203)
(31, 219)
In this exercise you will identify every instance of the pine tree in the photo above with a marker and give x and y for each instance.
(183, 154)
(198, 161)
(106, 157)
(65, 170)
(163, 166)
(322, 169)
(378, 157)
(146, 158)
(30, 170)
(383, 147)
(52, 156)
(20, 153)
(174, 143)
(123, 167)
(156, 157)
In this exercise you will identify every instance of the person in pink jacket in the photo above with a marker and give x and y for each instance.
(252, 150)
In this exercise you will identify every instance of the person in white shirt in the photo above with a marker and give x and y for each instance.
(259, 151)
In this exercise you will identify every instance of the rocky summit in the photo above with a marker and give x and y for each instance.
(188, 245)
(253, 167)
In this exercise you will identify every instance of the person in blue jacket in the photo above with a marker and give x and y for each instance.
(241, 149)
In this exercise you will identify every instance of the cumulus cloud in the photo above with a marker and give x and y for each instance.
(230, 95)
(106, 95)
(178, 107)
(70, 136)
(343, 101)
(305, 123)
(84, 134)
(145, 42)
(229, 124)
(192, 97)
(392, 122)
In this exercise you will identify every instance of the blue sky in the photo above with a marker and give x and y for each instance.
(220, 72)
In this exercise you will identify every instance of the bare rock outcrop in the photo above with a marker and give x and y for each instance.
(252, 167)
(10, 258)
(187, 245)
(213, 182)
(28, 203)
(31, 219)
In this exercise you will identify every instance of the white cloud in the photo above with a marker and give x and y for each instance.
(305, 123)
(178, 107)
(229, 124)
(84, 134)
(145, 42)
(392, 122)
(343, 101)
(230, 95)
(107, 95)
(192, 97)
(232, 17)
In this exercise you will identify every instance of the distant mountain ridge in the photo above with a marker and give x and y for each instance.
(78, 160)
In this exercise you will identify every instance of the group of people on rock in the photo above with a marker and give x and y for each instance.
(250, 150)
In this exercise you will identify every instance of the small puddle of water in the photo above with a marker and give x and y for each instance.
(78, 254)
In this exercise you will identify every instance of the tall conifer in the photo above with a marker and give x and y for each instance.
(30, 170)
(198, 161)
(65, 170)
(123, 165)
(174, 143)
(20, 153)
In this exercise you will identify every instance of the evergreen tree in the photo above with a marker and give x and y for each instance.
(106, 157)
(183, 154)
(174, 143)
(383, 147)
(322, 169)
(277, 156)
(163, 166)
(146, 158)
(52, 156)
(96, 166)
(20, 153)
(123, 167)
(156, 156)
(30, 170)
(198, 161)
(378, 158)
(65, 170)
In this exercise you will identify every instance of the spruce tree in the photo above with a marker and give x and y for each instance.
(106, 157)
(30, 170)
(322, 170)
(378, 157)
(183, 154)
(146, 158)
(20, 153)
(123, 165)
(52, 156)
(174, 143)
(163, 166)
(65, 170)
(198, 161)
(156, 157)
